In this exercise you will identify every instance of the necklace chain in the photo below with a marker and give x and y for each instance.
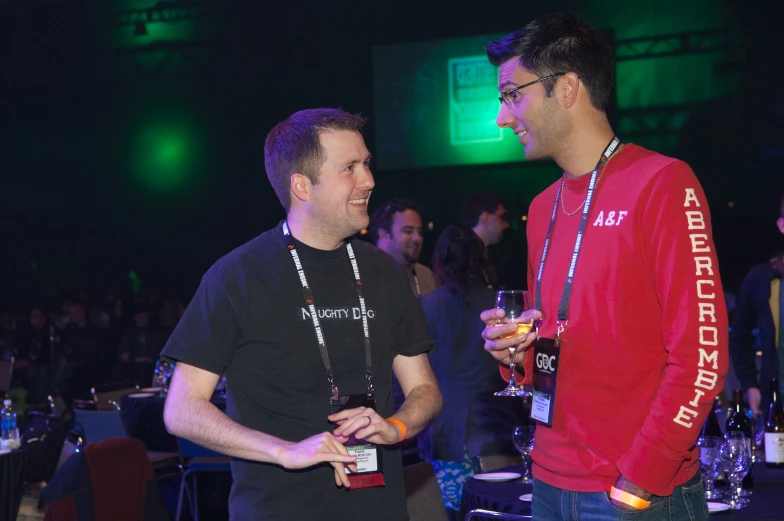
(604, 166)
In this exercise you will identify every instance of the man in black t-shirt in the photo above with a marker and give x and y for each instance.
(252, 319)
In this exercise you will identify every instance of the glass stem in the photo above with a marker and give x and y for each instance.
(512, 379)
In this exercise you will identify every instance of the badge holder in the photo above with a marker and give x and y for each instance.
(369, 462)
(546, 355)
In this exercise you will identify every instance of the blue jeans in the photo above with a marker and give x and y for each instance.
(687, 503)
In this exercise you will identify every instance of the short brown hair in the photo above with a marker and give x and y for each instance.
(293, 146)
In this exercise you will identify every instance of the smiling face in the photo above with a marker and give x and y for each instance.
(404, 241)
(338, 202)
(534, 117)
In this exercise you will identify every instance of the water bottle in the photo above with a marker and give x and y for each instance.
(9, 439)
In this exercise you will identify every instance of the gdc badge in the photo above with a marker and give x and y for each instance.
(545, 373)
(369, 465)
(369, 468)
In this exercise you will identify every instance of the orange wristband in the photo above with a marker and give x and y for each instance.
(401, 426)
(628, 499)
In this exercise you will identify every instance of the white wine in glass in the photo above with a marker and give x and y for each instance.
(514, 303)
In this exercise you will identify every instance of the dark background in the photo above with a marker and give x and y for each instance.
(73, 215)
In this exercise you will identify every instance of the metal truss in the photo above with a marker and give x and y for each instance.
(175, 57)
(655, 121)
(169, 12)
(679, 44)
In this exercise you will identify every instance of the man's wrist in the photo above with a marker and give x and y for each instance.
(400, 426)
(629, 499)
(627, 486)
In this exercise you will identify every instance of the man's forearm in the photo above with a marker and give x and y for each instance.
(202, 422)
(422, 404)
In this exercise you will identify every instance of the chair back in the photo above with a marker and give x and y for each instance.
(423, 495)
(6, 372)
(100, 425)
(117, 486)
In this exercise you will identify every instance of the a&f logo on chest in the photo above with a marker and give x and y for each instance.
(610, 218)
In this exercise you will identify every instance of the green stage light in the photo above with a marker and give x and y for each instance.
(163, 155)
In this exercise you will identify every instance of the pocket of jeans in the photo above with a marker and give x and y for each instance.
(693, 494)
(656, 506)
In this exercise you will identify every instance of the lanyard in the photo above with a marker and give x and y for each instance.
(563, 309)
(314, 315)
(418, 290)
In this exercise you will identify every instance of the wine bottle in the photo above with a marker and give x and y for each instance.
(774, 430)
(738, 421)
(711, 426)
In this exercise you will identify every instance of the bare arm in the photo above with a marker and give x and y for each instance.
(189, 414)
(422, 404)
(423, 397)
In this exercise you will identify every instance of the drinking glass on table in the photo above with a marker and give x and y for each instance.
(514, 303)
(709, 454)
(735, 453)
(523, 438)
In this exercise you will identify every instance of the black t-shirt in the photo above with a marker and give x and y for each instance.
(248, 320)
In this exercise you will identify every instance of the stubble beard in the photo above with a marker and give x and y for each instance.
(550, 130)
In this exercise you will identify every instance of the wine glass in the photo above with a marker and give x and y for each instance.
(709, 453)
(523, 438)
(736, 458)
(514, 303)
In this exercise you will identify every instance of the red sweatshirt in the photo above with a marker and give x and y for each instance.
(645, 350)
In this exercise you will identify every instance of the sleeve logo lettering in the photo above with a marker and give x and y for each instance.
(707, 335)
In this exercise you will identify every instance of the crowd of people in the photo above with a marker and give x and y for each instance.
(67, 345)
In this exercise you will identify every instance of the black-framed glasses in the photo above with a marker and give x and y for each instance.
(508, 95)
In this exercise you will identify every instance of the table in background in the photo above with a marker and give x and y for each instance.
(767, 499)
(13, 467)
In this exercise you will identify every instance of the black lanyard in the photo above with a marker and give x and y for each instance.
(563, 309)
(314, 315)
(417, 290)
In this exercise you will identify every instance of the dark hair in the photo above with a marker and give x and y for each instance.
(383, 216)
(459, 256)
(560, 43)
(293, 146)
(781, 214)
(476, 205)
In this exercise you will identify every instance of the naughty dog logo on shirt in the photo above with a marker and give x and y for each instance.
(337, 313)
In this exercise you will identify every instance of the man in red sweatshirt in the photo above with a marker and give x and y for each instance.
(632, 344)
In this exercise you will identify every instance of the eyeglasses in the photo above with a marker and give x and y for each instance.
(509, 97)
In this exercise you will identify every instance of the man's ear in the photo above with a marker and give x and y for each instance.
(568, 89)
(780, 224)
(383, 234)
(300, 186)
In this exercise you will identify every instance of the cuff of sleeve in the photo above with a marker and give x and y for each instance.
(428, 347)
(649, 469)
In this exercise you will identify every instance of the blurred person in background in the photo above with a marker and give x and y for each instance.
(473, 422)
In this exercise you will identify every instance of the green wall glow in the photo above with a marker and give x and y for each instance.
(436, 105)
(166, 153)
